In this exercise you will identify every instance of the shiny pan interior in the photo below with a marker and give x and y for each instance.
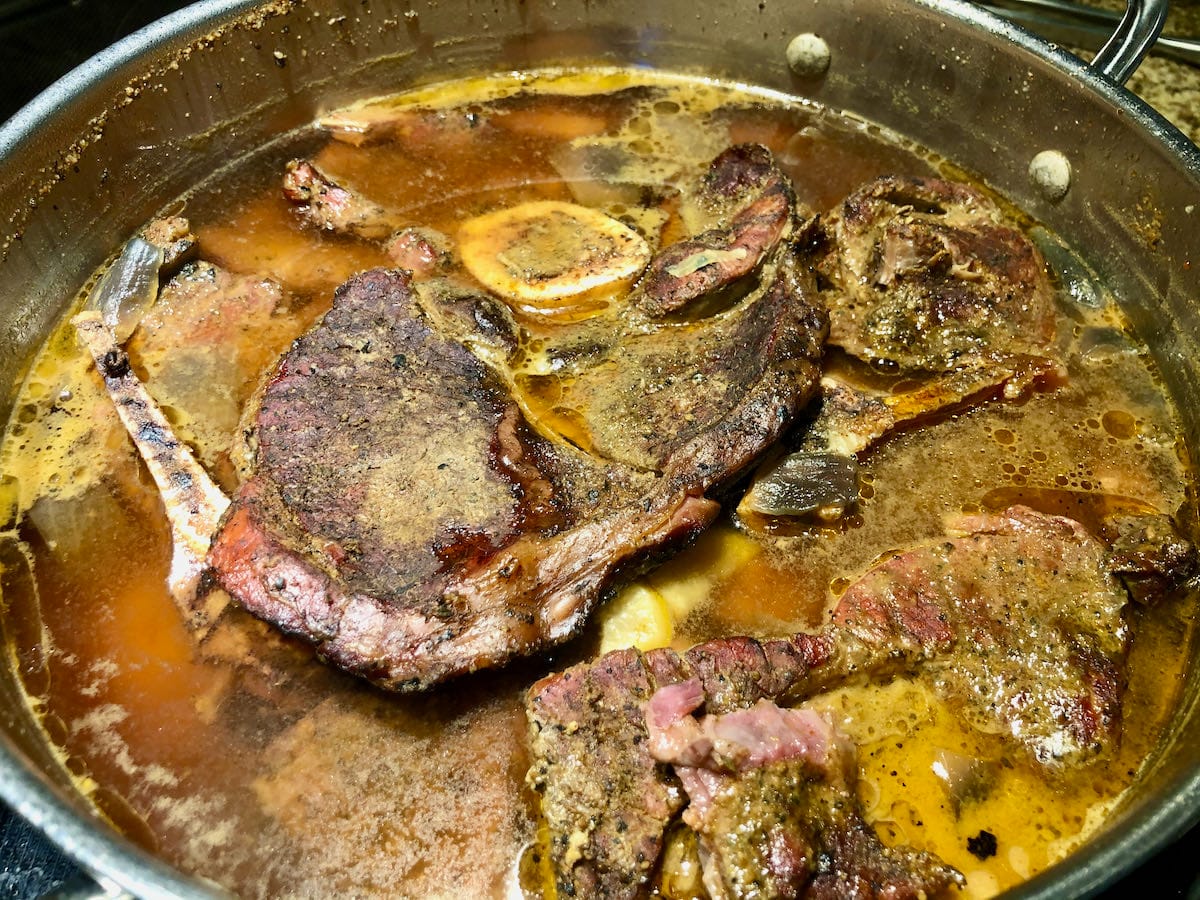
(105, 148)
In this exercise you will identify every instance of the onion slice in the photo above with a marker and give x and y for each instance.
(128, 288)
(802, 484)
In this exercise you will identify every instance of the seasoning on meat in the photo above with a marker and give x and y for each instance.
(499, 536)
(491, 542)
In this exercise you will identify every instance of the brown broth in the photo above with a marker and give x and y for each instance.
(247, 762)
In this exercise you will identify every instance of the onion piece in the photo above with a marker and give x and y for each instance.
(804, 483)
(128, 288)
(965, 778)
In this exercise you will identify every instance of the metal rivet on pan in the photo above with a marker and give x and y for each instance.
(808, 55)
(1050, 172)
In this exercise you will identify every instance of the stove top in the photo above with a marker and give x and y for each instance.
(41, 40)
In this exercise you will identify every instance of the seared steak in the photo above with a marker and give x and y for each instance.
(931, 276)
(405, 514)
(1016, 622)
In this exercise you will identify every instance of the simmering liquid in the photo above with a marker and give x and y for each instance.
(246, 761)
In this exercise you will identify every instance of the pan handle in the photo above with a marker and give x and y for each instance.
(1122, 40)
(1136, 33)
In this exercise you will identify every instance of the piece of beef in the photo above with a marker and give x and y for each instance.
(606, 806)
(328, 205)
(1035, 619)
(1015, 622)
(771, 794)
(1149, 554)
(422, 251)
(929, 275)
(792, 829)
(405, 514)
(200, 347)
(405, 517)
(606, 842)
(813, 480)
(667, 392)
(324, 204)
(743, 200)
(751, 203)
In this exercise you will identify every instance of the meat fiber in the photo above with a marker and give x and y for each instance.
(931, 276)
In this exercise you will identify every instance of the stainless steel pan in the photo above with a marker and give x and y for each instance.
(101, 151)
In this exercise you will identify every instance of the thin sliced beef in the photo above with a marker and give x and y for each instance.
(405, 516)
(929, 275)
(1015, 620)
(324, 204)
(771, 794)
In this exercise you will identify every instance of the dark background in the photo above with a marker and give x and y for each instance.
(40, 40)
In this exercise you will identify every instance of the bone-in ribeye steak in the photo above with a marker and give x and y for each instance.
(405, 517)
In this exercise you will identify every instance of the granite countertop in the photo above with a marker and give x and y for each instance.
(1172, 88)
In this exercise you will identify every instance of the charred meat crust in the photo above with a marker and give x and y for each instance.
(403, 517)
